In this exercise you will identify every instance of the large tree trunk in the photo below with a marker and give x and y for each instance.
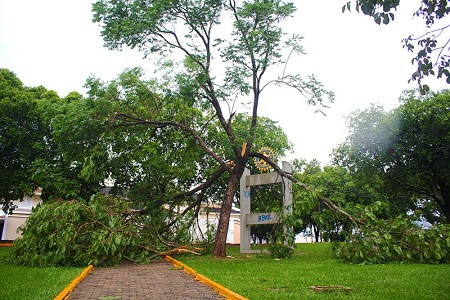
(220, 242)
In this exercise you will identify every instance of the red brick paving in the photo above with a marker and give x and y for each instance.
(157, 280)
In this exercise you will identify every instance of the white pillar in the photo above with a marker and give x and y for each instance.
(287, 197)
(245, 209)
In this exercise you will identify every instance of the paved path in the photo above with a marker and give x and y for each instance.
(157, 280)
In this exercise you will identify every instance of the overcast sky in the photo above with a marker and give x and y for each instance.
(55, 44)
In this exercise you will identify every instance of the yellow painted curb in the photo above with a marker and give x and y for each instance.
(229, 294)
(66, 292)
(6, 245)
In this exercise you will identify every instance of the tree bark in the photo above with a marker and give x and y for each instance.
(220, 242)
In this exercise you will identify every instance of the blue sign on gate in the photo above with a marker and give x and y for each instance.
(262, 218)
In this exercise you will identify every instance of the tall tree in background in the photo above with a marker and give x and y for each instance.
(343, 188)
(23, 136)
(433, 45)
(197, 30)
(47, 142)
(407, 148)
(78, 128)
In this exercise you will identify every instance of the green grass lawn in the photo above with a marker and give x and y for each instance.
(261, 277)
(22, 283)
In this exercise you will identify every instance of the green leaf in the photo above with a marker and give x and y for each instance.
(398, 249)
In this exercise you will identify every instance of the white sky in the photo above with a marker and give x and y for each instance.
(54, 43)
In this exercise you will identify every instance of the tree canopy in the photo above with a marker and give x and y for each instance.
(408, 149)
(23, 136)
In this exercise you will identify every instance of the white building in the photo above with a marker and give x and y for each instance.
(208, 216)
(11, 222)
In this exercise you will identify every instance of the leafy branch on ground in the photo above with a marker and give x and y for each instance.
(103, 233)
(394, 240)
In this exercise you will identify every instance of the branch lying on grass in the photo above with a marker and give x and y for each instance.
(180, 249)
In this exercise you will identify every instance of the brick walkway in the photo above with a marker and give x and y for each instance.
(157, 280)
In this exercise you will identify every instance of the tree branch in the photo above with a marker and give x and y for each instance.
(289, 176)
(202, 188)
(132, 121)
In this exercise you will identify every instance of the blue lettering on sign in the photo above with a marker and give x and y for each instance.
(262, 218)
(247, 194)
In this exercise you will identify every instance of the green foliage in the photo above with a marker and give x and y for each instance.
(380, 10)
(280, 250)
(48, 142)
(79, 128)
(22, 136)
(342, 188)
(395, 240)
(103, 233)
(404, 153)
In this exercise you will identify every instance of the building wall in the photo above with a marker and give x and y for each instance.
(237, 231)
(19, 216)
(233, 235)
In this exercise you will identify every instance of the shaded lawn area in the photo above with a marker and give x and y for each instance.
(18, 282)
(261, 277)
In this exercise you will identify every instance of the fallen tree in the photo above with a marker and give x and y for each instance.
(103, 233)
(371, 239)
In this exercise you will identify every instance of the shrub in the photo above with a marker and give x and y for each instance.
(63, 233)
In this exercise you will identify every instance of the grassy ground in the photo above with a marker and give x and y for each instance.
(260, 277)
(17, 282)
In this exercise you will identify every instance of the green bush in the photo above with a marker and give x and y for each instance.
(63, 233)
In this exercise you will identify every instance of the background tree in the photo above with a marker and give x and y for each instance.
(50, 142)
(77, 132)
(23, 136)
(432, 52)
(345, 190)
(189, 27)
(407, 149)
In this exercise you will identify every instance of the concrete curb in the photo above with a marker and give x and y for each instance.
(66, 292)
(228, 294)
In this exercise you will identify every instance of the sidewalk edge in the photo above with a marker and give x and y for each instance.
(66, 292)
(227, 293)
